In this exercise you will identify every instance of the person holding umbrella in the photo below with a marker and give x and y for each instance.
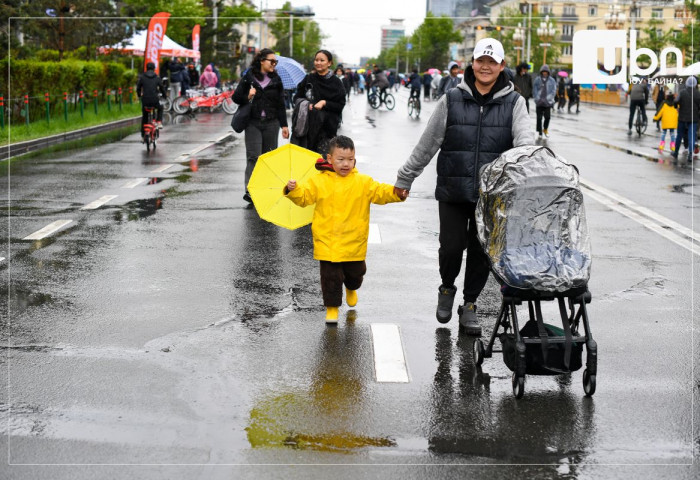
(262, 87)
(325, 95)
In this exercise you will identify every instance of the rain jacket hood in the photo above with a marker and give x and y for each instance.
(340, 224)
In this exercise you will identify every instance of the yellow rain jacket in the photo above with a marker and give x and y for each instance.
(668, 115)
(340, 224)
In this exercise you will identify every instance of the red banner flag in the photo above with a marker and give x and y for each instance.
(154, 39)
(195, 38)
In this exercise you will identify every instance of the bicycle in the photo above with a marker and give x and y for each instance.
(150, 130)
(376, 100)
(413, 106)
(212, 98)
(640, 124)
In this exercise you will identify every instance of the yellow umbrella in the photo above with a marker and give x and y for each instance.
(266, 186)
(361, 70)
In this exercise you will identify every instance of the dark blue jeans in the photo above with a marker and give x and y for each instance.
(689, 129)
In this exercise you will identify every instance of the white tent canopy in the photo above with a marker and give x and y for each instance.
(136, 45)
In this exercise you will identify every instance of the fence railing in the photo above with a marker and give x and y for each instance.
(53, 107)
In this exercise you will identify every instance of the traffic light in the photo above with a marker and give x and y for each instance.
(251, 50)
(498, 28)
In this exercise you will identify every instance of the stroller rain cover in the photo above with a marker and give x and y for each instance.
(531, 220)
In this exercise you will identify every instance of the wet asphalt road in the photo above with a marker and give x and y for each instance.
(171, 333)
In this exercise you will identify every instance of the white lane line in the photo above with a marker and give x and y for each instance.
(47, 230)
(374, 235)
(2, 258)
(643, 210)
(199, 149)
(162, 168)
(222, 138)
(389, 358)
(644, 221)
(134, 183)
(99, 202)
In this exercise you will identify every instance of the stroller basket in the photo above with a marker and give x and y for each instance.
(531, 223)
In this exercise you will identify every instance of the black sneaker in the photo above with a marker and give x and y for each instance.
(247, 198)
(468, 321)
(446, 299)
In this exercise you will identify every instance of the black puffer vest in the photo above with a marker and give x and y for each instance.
(474, 137)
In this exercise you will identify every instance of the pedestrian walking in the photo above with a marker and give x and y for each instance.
(262, 87)
(450, 81)
(427, 80)
(217, 73)
(360, 83)
(573, 91)
(544, 87)
(471, 126)
(561, 94)
(149, 87)
(176, 69)
(208, 78)
(324, 94)
(347, 83)
(193, 74)
(342, 197)
(523, 83)
(668, 116)
(688, 102)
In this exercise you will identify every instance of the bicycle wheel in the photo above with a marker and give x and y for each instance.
(148, 142)
(374, 101)
(181, 105)
(229, 106)
(389, 101)
(417, 108)
(166, 103)
(411, 107)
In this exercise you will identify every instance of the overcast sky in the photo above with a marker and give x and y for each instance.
(353, 27)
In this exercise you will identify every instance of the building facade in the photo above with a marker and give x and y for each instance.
(572, 16)
(392, 33)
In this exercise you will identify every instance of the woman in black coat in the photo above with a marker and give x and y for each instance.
(262, 86)
(325, 95)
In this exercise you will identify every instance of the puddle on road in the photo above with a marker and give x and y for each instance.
(139, 209)
(680, 188)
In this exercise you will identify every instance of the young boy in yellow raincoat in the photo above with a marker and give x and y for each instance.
(340, 224)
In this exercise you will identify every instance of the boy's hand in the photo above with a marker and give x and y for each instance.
(402, 193)
(291, 185)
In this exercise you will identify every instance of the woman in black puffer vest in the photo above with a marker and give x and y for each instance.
(262, 86)
(326, 96)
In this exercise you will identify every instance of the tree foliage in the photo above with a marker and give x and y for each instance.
(508, 20)
(306, 36)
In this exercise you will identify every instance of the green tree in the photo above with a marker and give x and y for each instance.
(227, 35)
(185, 14)
(431, 41)
(688, 38)
(508, 20)
(306, 36)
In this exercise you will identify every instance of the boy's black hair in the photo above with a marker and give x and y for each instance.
(341, 141)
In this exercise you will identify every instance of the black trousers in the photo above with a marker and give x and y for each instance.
(633, 108)
(261, 136)
(335, 274)
(457, 233)
(543, 112)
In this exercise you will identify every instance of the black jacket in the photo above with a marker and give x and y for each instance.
(148, 87)
(269, 99)
(688, 105)
(523, 84)
(329, 89)
(475, 136)
(176, 69)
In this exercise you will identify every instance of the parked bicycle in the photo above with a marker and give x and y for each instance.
(376, 99)
(211, 98)
(150, 130)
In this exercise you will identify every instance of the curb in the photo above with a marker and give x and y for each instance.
(21, 148)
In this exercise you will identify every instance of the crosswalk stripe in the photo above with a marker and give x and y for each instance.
(389, 358)
(162, 168)
(134, 183)
(48, 230)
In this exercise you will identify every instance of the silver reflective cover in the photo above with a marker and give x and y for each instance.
(531, 220)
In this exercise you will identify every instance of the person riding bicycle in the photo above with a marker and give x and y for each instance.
(380, 82)
(639, 96)
(148, 87)
(415, 83)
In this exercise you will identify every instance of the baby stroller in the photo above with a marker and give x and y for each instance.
(531, 223)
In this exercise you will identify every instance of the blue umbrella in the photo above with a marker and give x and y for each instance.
(290, 71)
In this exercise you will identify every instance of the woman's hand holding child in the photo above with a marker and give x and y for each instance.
(291, 185)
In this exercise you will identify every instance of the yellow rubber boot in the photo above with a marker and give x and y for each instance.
(351, 297)
(331, 314)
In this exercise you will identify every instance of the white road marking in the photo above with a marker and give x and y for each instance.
(48, 230)
(2, 258)
(389, 358)
(134, 183)
(644, 221)
(99, 202)
(223, 137)
(162, 168)
(374, 235)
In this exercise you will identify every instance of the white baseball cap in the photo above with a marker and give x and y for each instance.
(489, 47)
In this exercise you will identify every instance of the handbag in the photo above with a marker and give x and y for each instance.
(241, 118)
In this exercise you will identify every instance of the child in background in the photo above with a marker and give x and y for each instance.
(340, 224)
(669, 122)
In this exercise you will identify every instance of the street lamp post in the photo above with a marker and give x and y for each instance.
(546, 32)
(295, 13)
(518, 38)
(615, 18)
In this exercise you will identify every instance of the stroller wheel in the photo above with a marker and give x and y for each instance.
(588, 383)
(478, 352)
(518, 386)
